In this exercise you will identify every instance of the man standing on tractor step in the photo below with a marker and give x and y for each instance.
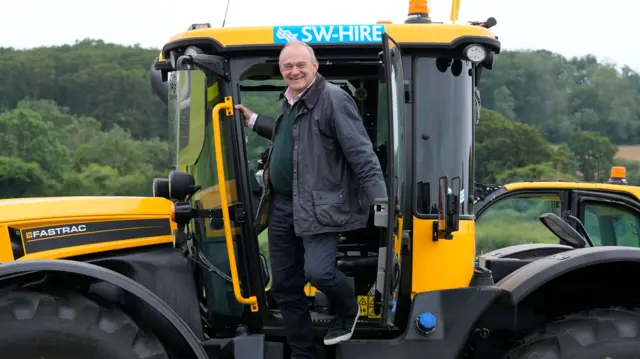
(321, 178)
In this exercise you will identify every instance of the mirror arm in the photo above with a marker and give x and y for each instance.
(567, 215)
(207, 63)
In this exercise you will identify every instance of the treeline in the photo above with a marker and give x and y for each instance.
(560, 118)
(82, 119)
(561, 96)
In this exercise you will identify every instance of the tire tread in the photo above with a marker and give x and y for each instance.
(74, 309)
(575, 332)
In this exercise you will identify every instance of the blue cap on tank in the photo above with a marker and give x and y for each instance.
(426, 323)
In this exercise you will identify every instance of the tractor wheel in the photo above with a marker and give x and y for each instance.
(595, 334)
(41, 326)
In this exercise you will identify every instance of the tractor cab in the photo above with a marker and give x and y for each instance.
(415, 88)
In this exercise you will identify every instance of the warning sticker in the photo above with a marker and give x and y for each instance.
(362, 303)
(372, 308)
(367, 306)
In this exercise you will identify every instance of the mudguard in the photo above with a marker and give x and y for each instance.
(527, 250)
(11, 269)
(532, 276)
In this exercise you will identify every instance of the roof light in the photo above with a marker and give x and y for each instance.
(475, 53)
(418, 12)
(418, 7)
(618, 175)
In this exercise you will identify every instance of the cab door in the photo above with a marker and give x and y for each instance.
(511, 217)
(233, 173)
(388, 215)
(610, 219)
(211, 148)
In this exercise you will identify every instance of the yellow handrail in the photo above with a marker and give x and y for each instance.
(222, 182)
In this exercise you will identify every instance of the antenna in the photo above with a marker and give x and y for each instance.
(455, 10)
(224, 21)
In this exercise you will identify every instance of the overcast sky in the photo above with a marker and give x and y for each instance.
(569, 27)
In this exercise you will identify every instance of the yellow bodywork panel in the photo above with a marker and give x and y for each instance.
(6, 253)
(61, 227)
(29, 209)
(401, 33)
(443, 264)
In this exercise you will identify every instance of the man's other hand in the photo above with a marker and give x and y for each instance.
(246, 113)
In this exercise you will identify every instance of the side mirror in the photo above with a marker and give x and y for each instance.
(563, 230)
(488, 61)
(159, 83)
(567, 215)
(161, 188)
(448, 208)
(181, 185)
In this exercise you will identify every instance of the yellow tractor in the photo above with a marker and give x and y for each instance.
(182, 275)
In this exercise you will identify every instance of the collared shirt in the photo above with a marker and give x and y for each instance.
(291, 100)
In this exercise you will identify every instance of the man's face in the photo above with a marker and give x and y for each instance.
(296, 67)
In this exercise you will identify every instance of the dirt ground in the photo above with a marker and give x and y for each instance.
(629, 152)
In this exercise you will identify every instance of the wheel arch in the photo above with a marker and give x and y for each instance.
(528, 250)
(550, 288)
(560, 267)
(96, 272)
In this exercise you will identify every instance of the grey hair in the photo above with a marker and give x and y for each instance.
(294, 41)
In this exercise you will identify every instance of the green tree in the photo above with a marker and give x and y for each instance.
(21, 179)
(26, 135)
(593, 153)
(105, 81)
(561, 95)
(503, 144)
(49, 151)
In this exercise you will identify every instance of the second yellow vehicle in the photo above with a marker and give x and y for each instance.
(508, 216)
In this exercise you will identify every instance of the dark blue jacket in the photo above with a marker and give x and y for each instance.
(336, 173)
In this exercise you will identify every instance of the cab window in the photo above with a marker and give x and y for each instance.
(188, 91)
(610, 225)
(514, 221)
(443, 111)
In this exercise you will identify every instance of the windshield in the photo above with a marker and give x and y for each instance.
(443, 134)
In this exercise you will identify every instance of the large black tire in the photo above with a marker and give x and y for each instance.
(41, 326)
(595, 334)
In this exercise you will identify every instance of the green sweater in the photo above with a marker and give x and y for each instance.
(281, 162)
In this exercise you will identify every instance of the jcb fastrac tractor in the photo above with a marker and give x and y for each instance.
(183, 276)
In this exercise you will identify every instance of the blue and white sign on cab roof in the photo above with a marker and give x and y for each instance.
(322, 34)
